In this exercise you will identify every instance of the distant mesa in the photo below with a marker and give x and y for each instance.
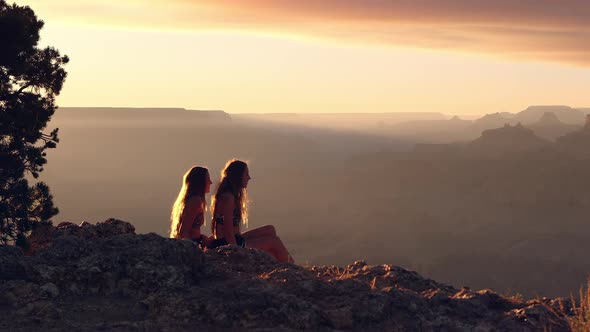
(269, 115)
(380, 123)
(457, 122)
(577, 142)
(566, 114)
(138, 116)
(532, 115)
(494, 120)
(547, 123)
(491, 143)
(548, 119)
(550, 127)
(509, 138)
(365, 117)
(422, 127)
(516, 139)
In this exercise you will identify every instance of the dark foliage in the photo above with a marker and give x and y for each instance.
(30, 78)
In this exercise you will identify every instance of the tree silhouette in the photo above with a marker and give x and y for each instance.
(30, 78)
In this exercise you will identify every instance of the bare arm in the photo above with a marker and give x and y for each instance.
(226, 208)
(192, 208)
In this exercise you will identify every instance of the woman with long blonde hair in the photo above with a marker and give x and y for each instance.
(230, 211)
(188, 211)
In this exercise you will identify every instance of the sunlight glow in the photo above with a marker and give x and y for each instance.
(205, 55)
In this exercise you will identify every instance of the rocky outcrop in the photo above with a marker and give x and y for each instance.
(43, 235)
(128, 282)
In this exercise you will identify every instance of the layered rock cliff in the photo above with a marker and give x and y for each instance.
(105, 277)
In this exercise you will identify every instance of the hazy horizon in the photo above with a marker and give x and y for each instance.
(466, 116)
(326, 56)
(387, 193)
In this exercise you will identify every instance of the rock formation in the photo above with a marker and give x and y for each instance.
(507, 139)
(532, 115)
(104, 277)
(494, 120)
(564, 113)
(550, 127)
(576, 142)
(549, 119)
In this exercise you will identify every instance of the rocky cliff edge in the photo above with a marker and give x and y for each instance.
(105, 277)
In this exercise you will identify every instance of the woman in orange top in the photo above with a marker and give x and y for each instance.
(188, 211)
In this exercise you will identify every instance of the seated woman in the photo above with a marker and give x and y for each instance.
(188, 210)
(230, 209)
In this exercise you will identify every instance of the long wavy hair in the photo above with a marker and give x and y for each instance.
(194, 183)
(232, 182)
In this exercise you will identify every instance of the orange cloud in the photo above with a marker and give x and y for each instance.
(548, 30)
(528, 29)
(522, 12)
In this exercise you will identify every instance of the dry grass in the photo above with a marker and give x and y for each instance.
(331, 273)
(339, 273)
(513, 297)
(580, 312)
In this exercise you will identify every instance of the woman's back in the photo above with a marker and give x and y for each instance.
(192, 218)
(187, 215)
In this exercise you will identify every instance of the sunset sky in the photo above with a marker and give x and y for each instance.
(450, 56)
